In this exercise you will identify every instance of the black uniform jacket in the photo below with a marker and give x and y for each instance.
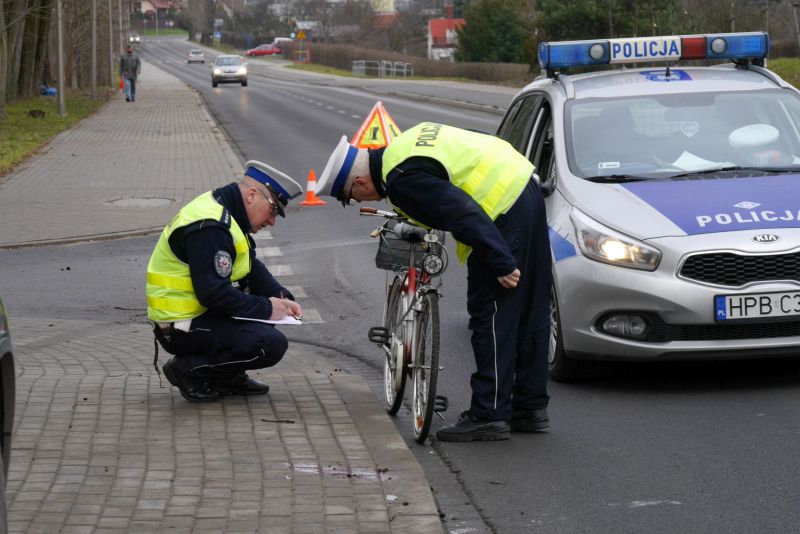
(421, 187)
(199, 244)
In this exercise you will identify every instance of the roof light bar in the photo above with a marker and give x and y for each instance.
(751, 45)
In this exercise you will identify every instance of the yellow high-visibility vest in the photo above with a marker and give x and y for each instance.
(487, 168)
(170, 295)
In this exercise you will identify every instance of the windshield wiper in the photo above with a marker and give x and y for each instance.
(729, 168)
(615, 178)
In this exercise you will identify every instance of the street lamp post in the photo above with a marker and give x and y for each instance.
(110, 45)
(94, 48)
(62, 108)
(795, 5)
(121, 33)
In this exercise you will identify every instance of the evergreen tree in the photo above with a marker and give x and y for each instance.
(494, 32)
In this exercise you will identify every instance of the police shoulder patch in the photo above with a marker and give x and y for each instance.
(223, 263)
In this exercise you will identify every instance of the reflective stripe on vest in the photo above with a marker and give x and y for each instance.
(170, 295)
(487, 168)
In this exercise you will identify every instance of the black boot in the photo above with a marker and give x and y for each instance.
(471, 428)
(529, 420)
(239, 384)
(192, 389)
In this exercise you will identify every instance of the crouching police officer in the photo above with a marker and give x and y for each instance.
(198, 314)
(479, 188)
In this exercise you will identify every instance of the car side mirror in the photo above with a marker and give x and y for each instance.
(547, 186)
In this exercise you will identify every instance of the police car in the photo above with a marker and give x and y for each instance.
(673, 198)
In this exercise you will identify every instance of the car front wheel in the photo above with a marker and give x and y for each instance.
(562, 367)
(213, 83)
(244, 83)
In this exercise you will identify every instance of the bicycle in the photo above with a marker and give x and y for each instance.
(409, 336)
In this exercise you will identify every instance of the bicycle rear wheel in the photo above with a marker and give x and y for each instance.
(425, 366)
(394, 382)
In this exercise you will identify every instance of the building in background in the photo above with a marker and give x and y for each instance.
(442, 37)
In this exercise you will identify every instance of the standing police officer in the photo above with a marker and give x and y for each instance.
(198, 314)
(478, 188)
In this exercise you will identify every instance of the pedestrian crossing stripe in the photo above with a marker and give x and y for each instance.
(268, 252)
(378, 130)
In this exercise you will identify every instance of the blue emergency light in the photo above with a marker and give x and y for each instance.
(750, 45)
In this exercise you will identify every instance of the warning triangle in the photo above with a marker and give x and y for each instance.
(378, 130)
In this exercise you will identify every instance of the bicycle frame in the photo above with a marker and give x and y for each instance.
(410, 335)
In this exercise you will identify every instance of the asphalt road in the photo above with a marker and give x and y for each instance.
(680, 447)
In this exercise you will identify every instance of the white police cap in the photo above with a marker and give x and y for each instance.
(281, 185)
(333, 179)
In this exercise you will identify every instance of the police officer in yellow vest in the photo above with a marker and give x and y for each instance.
(478, 188)
(191, 297)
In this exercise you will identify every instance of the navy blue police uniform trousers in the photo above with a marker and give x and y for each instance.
(511, 327)
(217, 345)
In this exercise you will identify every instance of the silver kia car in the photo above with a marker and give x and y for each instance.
(7, 381)
(672, 195)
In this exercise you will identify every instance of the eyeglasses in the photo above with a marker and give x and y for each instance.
(346, 201)
(275, 210)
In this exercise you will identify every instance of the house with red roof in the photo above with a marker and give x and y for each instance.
(442, 38)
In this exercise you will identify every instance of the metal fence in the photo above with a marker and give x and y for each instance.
(383, 69)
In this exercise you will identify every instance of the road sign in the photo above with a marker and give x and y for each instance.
(378, 130)
(301, 34)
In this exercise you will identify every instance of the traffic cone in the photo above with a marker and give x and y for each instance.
(311, 198)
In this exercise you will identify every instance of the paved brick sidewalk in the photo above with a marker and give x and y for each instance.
(99, 446)
(127, 168)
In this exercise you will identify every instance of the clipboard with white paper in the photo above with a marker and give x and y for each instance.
(288, 319)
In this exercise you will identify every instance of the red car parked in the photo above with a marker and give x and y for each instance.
(264, 50)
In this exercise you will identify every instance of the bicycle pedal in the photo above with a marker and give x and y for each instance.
(379, 334)
(440, 404)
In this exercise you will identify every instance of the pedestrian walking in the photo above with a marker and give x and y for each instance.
(130, 66)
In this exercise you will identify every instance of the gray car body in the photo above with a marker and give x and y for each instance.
(228, 73)
(7, 393)
(587, 290)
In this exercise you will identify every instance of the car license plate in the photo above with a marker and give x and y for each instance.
(757, 306)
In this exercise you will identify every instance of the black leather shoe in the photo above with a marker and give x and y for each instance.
(200, 393)
(470, 428)
(171, 373)
(192, 390)
(240, 384)
(529, 420)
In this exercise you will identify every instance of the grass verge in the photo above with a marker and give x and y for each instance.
(21, 135)
(787, 68)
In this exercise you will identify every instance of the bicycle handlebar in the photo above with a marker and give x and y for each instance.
(405, 231)
(378, 213)
(409, 232)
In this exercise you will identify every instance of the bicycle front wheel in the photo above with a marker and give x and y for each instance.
(425, 365)
(394, 375)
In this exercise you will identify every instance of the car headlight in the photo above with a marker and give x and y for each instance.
(241, 72)
(217, 72)
(603, 244)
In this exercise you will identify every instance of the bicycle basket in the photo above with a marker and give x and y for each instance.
(393, 253)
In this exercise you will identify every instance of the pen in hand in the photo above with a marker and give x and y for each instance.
(297, 316)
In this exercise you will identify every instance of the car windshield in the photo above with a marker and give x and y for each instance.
(228, 61)
(669, 135)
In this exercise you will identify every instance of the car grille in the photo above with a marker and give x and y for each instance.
(663, 332)
(729, 269)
